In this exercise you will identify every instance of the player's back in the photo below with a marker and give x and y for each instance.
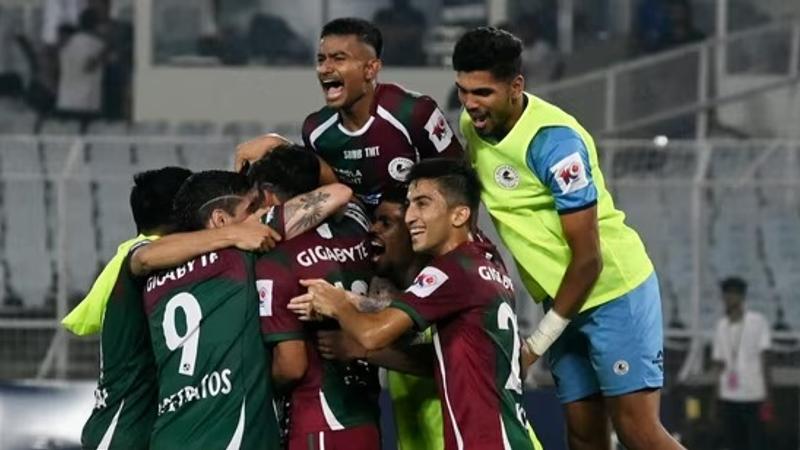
(212, 367)
(126, 395)
(403, 128)
(331, 395)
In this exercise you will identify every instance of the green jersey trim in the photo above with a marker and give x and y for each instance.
(420, 323)
(276, 338)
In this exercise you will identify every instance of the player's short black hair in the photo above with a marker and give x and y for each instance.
(364, 30)
(734, 285)
(288, 170)
(490, 49)
(457, 180)
(395, 192)
(206, 191)
(151, 198)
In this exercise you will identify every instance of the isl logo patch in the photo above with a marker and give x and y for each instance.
(570, 173)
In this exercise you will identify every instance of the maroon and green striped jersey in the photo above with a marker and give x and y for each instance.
(468, 298)
(214, 387)
(403, 128)
(331, 395)
(127, 393)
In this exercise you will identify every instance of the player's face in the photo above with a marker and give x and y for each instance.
(248, 204)
(346, 69)
(490, 103)
(428, 218)
(391, 243)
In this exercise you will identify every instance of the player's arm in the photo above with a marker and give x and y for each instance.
(582, 235)
(580, 230)
(175, 249)
(402, 355)
(371, 330)
(289, 362)
(307, 211)
(561, 161)
(251, 151)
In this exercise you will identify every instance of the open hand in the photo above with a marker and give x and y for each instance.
(252, 235)
(322, 298)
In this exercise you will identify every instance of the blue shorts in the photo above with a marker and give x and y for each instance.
(615, 349)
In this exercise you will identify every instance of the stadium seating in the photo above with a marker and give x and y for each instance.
(745, 229)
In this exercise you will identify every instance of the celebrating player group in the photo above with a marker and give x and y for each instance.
(256, 306)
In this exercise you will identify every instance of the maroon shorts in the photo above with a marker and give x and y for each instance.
(364, 437)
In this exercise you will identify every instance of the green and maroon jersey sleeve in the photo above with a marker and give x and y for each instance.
(212, 368)
(331, 395)
(468, 298)
(276, 285)
(127, 393)
(403, 128)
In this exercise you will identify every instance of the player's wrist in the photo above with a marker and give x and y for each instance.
(549, 329)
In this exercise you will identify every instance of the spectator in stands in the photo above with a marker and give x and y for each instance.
(80, 82)
(741, 340)
(682, 29)
(272, 40)
(664, 24)
(117, 33)
(403, 28)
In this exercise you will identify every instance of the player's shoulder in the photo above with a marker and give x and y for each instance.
(357, 216)
(317, 119)
(549, 137)
(392, 96)
(438, 273)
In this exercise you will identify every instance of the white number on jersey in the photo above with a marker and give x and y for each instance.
(188, 341)
(507, 320)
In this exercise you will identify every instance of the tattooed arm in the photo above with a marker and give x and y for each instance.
(368, 304)
(308, 210)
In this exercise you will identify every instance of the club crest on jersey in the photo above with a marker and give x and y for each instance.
(439, 131)
(399, 168)
(506, 176)
(428, 280)
(264, 288)
(570, 173)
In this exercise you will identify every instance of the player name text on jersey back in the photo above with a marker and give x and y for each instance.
(211, 385)
(179, 272)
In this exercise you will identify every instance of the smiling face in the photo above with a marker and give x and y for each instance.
(346, 69)
(435, 227)
(494, 105)
(391, 242)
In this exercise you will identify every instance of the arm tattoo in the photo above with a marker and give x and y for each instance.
(371, 305)
(308, 208)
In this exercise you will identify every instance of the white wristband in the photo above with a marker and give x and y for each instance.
(550, 328)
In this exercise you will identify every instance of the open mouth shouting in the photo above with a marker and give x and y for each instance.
(378, 249)
(479, 119)
(333, 89)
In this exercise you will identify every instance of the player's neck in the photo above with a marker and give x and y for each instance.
(517, 109)
(457, 238)
(355, 116)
